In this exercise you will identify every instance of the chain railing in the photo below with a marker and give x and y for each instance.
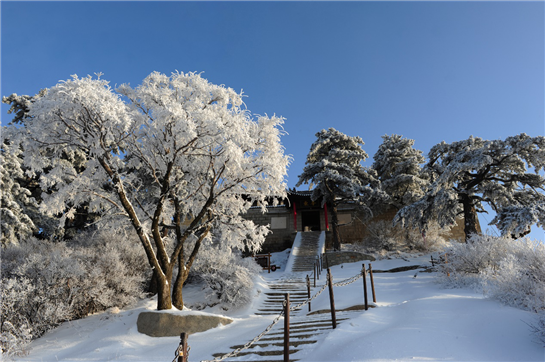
(308, 300)
(248, 345)
(348, 281)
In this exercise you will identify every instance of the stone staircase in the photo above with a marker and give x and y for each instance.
(304, 329)
(306, 253)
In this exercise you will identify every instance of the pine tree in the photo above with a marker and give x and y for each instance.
(469, 173)
(334, 167)
(16, 201)
(399, 168)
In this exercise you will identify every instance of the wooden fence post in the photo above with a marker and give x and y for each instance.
(287, 329)
(314, 275)
(331, 299)
(372, 283)
(321, 262)
(317, 269)
(183, 342)
(308, 291)
(364, 272)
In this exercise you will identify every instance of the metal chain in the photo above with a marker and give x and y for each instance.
(309, 299)
(275, 321)
(342, 283)
(178, 350)
(249, 344)
(177, 353)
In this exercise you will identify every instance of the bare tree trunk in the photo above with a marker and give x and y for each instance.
(185, 267)
(152, 285)
(177, 295)
(164, 300)
(335, 222)
(470, 216)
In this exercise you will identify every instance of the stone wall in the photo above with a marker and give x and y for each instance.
(356, 231)
(353, 226)
(332, 258)
(280, 221)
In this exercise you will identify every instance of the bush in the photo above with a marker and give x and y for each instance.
(518, 279)
(539, 328)
(383, 236)
(228, 277)
(510, 271)
(466, 261)
(46, 283)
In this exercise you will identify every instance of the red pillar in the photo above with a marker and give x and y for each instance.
(326, 220)
(294, 217)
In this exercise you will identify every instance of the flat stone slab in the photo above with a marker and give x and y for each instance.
(162, 324)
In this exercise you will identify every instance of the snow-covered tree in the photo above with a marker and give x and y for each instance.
(20, 182)
(517, 220)
(20, 105)
(205, 157)
(399, 169)
(15, 222)
(471, 172)
(334, 167)
(17, 202)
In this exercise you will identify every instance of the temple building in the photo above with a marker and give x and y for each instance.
(298, 213)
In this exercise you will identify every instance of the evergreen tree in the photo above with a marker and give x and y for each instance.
(21, 182)
(334, 167)
(399, 168)
(469, 173)
(16, 201)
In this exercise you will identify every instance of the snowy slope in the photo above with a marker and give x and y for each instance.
(415, 320)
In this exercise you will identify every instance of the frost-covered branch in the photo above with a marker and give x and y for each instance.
(477, 171)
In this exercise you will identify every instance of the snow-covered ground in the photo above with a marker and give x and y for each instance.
(416, 319)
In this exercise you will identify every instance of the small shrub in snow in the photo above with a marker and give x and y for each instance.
(228, 277)
(46, 283)
(467, 260)
(519, 277)
(383, 236)
(510, 271)
(539, 328)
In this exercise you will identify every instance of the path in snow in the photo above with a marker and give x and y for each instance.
(305, 328)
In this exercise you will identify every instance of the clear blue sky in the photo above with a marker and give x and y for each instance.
(430, 71)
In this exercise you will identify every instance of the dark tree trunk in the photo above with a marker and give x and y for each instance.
(152, 285)
(470, 216)
(164, 300)
(177, 296)
(335, 222)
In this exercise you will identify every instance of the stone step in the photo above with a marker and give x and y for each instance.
(276, 344)
(292, 336)
(261, 360)
(261, 353)
(325, 320)
(313, 331)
